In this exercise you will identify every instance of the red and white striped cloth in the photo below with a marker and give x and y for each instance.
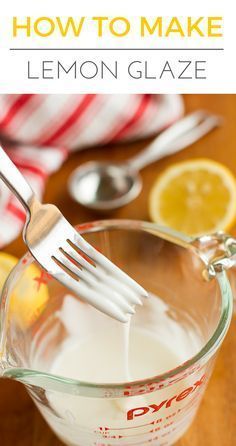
(39, 131)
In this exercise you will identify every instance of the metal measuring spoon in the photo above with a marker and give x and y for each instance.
(105, 186)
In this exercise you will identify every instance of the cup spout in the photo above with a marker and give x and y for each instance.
(3, 363)
(1, 367)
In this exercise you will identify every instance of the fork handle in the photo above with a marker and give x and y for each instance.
(15, 181)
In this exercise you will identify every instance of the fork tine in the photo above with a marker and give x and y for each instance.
(45, 230)
(108, 266)
(89, 295)
(88, 278)
(98, 272)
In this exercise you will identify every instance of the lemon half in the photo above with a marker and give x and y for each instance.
(194, 197)
(28, 297)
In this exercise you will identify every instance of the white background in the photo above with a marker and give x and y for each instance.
(220, 66)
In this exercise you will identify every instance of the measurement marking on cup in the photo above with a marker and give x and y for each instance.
(171, 415)
(109, 433)
(159, 420)
(162, 425)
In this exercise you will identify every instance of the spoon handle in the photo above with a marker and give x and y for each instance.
(15, 180)
(180, 135)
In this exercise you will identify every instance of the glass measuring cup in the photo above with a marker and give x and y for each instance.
(188, 310)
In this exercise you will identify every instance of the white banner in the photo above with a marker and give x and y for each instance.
(66, 47)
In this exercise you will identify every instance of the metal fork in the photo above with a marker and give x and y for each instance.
(67, 256)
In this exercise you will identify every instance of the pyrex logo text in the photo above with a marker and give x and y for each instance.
(140, 411)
